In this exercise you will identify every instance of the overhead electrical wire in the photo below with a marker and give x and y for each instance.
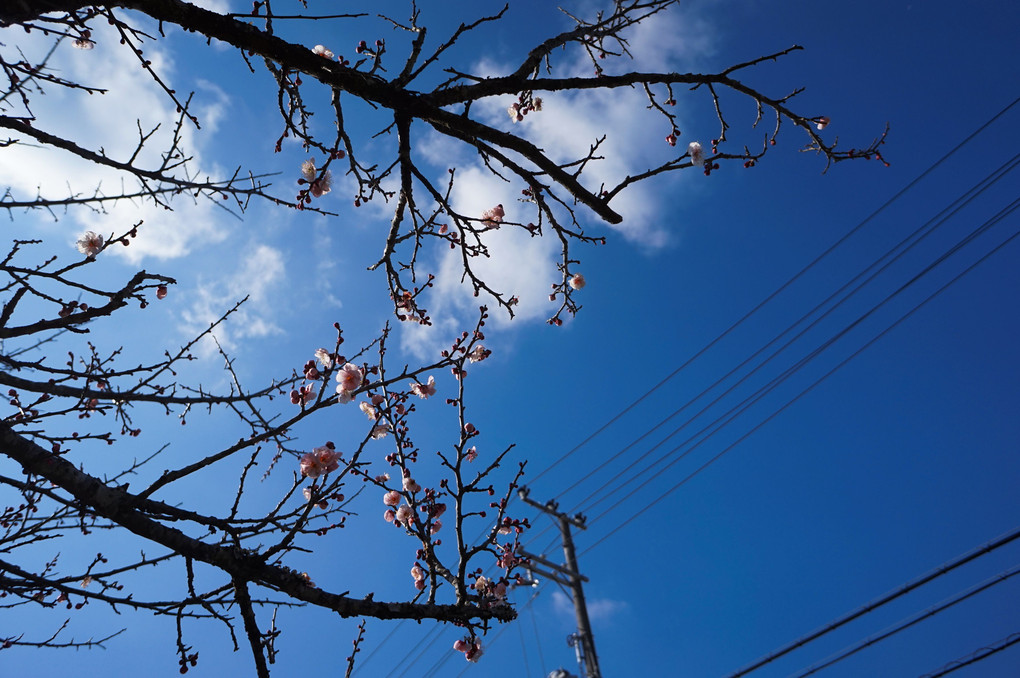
(785, 285)
(904, 246)
(910, 621)
(976, 656)
(1002, 214)
(637, 474)
(899, 592)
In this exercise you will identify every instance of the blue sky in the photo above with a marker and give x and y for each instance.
(896, 463)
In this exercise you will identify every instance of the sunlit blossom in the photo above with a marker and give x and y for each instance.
(322, 51)
(404, 515)
(823, 122)
(90, 243)
(369, 411)
(324, 357)
(320, 460)
(391, 498)
(471, 454)
(577, 281)
(348, 378)
(493, 216)
(410, 485)
(697, 154)
(379, 432)
(425, 390)
(478, 354)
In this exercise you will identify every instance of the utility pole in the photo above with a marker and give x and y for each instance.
(583, 641)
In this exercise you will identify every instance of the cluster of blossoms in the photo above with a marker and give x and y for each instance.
(517, 110)
(425, 390)
(323, 52)
(490, 588)
(320, 460)
(317, 186)
(493, 217)
(471, 647)
(303, 395)
(90, 243)
(419, 577)
(349, 378)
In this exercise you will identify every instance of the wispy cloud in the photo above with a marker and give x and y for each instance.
(599, 609)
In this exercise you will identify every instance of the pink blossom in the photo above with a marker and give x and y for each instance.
(536, 103)
(369, 411)
(417, 572)
(348, 378)
(471, 454)
(391, 498)
(410, 485)
(514, 111)
(90, 243)
(320, 460)
(436, 526)
(460, 646)
(438, 510)
(425, 390)
(405, 515)
(83, 43)
(697, 154)
(493, 217)
(377, 399)
(382, 478)
(389, 516)
(324, 357)
(823, 122)
(379, 432)
(420, 584)
(318, 185)
(479, 353)
(322, 51)
(469, 428)
(577, 282)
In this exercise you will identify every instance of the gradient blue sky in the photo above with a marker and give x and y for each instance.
(899, 461)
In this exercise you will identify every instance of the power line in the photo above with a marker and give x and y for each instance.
(733, 413)
(782, 287)
(911, 621)
(959, 561)
(917, 236)
(976, 656)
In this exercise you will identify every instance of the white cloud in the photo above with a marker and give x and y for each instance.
(112, 124)
(599, 609)
(258, 277)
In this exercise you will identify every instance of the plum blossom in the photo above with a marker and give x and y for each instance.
(379, 432)
(322, 51)
(478, 354)
(317, 185)
(90, 243)
(471, 648)
(324, 357)
(302, 396)
(410, 485)
(425, 390)
(823, 122)
(84, 43)
(697, 154)
(436, 526)
(369, 411)
(514, 111)
(417, 572)
(493, 216)
(389, 516)
(320, 460)
(471, 454)
(404, 515)
(382, 478)
(577, 282)
(391, 498)
(349, 378)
